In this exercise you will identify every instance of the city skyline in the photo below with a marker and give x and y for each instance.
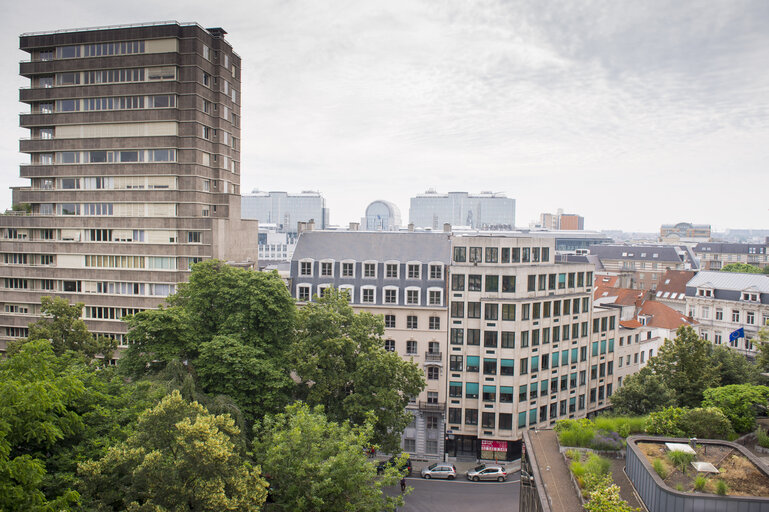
(630, 115)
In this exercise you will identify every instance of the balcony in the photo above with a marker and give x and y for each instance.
(431, 406)
(433, 357)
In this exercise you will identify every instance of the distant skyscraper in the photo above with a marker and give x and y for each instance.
(134, 169)
(486, 210)
(382, 216)
(285, 210)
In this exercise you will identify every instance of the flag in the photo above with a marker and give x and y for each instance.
(739, 333)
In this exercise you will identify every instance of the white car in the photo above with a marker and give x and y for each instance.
(487, 472)
(440, 470)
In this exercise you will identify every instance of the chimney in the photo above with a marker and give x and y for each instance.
(354, 226)
(446, 227)
(301, 227)
(311, 225)
(411, 226)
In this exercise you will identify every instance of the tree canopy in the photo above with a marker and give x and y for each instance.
(318, 465)
(743, 268)
(340, 360)
(739, 402)
(179, 458)
(642, 393)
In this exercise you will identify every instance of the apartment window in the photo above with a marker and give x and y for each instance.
(367, 295)
(505, 421)
(489, 366)
(719, 314)
(505, 255)
(458, 282)
(523, 393)
(436, 271)
(735, 315)
(471, 416)
(391, 270)
(750, 318)
(305, 268)
(391, 295)
(303, 292)
(488, 419)
(435, 297)
(348, 269)
(434, 323)
(433, 372)
(412, 296)
(455, 415)
(490, 339)
(411, 322)
(523, 368)
(413, 270)
(389, 345)
(457, 336)
(369, 270)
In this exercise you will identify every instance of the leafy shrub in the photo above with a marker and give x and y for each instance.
(739, 403)
(575, 432)
(591, 482)
(574, 455)
(577, 468)
(721, 488)
(659, 467)
(665, 422)
(706, 423)
(699, 482)
(597, 465)
(607, 441)
(762, 437)
(680, 459)
(607, 498)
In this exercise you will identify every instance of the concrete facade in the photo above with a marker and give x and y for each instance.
(134, 169)
(285, 210)
(486, 210)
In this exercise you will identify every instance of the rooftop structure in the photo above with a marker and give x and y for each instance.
(714, 255)
(285, 210)
(382, 216)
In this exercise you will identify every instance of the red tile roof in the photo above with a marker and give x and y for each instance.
(674, 281)
(623, 296)
(631, 324)
(663, 316)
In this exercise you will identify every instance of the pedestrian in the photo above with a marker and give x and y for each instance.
(403, 484)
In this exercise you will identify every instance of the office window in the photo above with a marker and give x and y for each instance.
(471, 416)
(490, 339)
(472, 364)
(455, 414)
(505, 255)
(457, 336)
(508, 339)
(492, 254)
(457, 309)
(491, 311)
(474, 283)
(458, 282)
(460, 254)
(389, 321)
(505, 421)
(471, 390)
(411, 322)
(523, 368)
(524, 339)
(492, 283)
(473, 310)
(473, 336)
(507, 367)
(532, 283)
(489, 366)
(476, 254)
(508, 284)
(508, 311)
(455, 363)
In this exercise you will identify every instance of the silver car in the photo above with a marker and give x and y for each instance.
(487, 472)
(440, 470)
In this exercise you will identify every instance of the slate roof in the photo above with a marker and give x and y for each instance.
(731, 248)
(734, 281)
(636, 252)
(374, 245)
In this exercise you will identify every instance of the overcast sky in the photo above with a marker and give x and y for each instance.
(630, 113)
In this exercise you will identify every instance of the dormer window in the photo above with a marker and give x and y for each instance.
(704, 292)
(750, 296)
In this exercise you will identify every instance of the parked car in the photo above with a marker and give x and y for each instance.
(406, 466)
(440, 470)
(487, 472)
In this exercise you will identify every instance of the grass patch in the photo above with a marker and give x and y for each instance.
(574, 455)
(681, 459)
(660, 468)
(680, 487)
(700, 482)
(762, 437)
(622, 425)
(721, 488)
(597, 465)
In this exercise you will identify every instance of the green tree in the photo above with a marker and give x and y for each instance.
(318, 465)
(733, 367)
(762, 345)
(686, 366)
(706, 423)
(179, 458)
(743, 268)
(739, 402)
(62, 325)
(222, 315)
(641, 394)
(35, 414)
(341, 363)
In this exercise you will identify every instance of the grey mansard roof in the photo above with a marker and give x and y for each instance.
(636, 252)
(731, 248)
(374, 245)
(734, 281)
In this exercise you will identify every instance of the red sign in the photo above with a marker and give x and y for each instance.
(493, 446)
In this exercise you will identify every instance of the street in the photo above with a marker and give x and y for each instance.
(461, 495)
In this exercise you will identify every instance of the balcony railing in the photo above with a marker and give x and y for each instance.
(432, 406)
(433, 357)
